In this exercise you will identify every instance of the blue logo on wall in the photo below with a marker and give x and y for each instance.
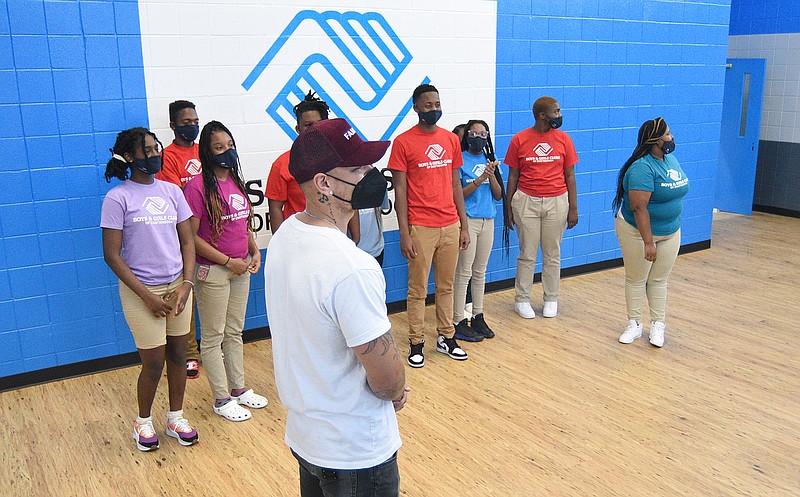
(372, 50)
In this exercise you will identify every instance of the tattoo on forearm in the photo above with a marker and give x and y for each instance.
(384, 344)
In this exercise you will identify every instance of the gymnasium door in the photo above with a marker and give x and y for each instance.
(738, 143)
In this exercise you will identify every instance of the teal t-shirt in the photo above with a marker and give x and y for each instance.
(480, 204)
(668, 185)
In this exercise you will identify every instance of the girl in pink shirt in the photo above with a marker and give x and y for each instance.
(227, 254)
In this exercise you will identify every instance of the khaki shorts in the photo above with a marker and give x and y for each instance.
(149, 331)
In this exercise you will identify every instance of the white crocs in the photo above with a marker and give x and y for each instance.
(251, 399)
(232, 411)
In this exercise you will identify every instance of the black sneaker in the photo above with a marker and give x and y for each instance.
(450, 347)
(464, 332)
(416, 357)
(480, 326)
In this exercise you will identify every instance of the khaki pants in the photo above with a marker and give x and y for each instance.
(645, 277)
(472, 264)
(539, 220)
(150, 332)
(440, 247)
(221, 304)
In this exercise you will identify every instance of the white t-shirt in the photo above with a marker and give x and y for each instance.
(325, 296)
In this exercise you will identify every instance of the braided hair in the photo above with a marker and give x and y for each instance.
(650, 132)
(216, 205)
(490, 155)
(128, 142)
(309, 103)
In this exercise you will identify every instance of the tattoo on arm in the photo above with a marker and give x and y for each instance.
(384, 343)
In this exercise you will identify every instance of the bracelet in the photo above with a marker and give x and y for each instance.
(226, 262)
(189, 281)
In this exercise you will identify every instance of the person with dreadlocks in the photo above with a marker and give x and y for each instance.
(648, 204)
(227, 255)
(482, 184)
(543, 201)
(148, 244)
(182, 163)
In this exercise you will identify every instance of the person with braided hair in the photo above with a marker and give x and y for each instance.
(482, 184)
(648, 204)
(227, 255)
(148, 244)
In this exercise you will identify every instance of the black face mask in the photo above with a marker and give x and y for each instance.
(368, 193)
(431, 117)
(556, 122)
(477, 144)
(227, 159)
(668, 147)
(150, 165)
(188, 132)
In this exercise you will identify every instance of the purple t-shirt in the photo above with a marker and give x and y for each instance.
(148, 216)
(235, 209)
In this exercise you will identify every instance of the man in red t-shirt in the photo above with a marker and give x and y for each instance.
(541, 187)
(425, 163)
(181, 163)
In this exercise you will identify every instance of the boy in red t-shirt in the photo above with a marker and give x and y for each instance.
(425, 163)
(543, 201)
(181, 163)
(181, 157)
(284, 195)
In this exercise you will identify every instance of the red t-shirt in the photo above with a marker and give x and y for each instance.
(282, 186)
(541, 159)
(428, 159)
(180, 164)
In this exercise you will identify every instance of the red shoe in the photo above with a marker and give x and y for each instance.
(192, 369)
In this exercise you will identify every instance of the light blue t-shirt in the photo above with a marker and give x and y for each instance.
(480, 204)
(668, 185)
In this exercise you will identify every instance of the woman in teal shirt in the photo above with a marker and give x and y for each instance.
(648, 205)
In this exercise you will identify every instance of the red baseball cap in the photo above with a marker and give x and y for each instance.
(326, 145)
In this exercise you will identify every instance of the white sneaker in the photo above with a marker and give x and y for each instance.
(524, 310)
(632, 332)
(657, 331)
(550, 309)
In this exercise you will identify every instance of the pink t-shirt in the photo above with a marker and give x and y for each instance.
(148, 216)
(235, 209)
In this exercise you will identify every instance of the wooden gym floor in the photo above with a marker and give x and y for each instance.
(550, 407)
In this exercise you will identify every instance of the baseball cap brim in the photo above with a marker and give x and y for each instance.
(367, 153)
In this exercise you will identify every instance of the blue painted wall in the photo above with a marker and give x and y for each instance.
(71, 77)
(751, 17)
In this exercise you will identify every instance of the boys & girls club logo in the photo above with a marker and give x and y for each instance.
(155, 205)
(353, 73)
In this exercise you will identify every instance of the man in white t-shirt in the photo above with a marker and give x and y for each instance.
(337, 368)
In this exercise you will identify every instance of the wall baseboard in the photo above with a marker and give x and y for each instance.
(110, 363)
(768, 209)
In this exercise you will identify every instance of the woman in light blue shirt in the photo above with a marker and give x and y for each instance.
(483, 187)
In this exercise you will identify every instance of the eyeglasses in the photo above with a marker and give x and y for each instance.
(475, 134)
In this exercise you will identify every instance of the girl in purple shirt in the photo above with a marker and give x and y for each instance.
(148, 244)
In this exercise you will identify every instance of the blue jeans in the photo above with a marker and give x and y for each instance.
(382, 480)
